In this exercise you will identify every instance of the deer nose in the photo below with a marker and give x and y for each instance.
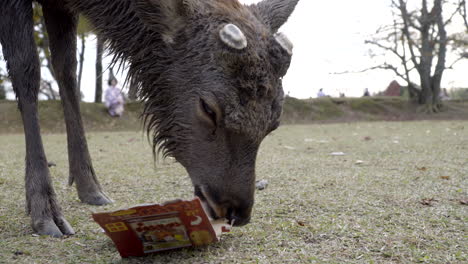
(236, 211)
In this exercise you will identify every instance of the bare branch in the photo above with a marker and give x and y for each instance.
(44, 45)
(463, 13)
(384, 66)
(46, 89)
(462, 57)
(406, 18)
(457, 10)
(393, 50)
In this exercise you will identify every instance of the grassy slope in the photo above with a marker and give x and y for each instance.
(94, 116)
(364, 109)
(295, 111)
(317, 208)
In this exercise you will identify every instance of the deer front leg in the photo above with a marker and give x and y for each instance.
(61, 26)
(42, 205)
(19, 50)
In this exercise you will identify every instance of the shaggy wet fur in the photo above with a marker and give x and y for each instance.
(206, 104)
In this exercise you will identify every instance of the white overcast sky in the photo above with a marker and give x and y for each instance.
(328, 37)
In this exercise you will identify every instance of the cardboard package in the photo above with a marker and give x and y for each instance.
(151, 228)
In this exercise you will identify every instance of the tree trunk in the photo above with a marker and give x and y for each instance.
(44, 46)
(414, 93)
(2, 91)
(440, 66)
(425, 63)
(133, 90)
(80, 68)
(100, 50)
(111, 74)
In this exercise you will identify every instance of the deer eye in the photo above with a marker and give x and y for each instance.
(208, 111)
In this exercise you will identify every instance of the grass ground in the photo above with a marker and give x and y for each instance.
(404, 203)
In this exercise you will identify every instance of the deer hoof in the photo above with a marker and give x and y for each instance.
(52, 228)
(96, 198)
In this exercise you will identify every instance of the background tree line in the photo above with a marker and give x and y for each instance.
(420, 44)
(46, 88)
(417, 45)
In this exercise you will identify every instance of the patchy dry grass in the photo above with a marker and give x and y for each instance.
(402, 204)
(295, 111)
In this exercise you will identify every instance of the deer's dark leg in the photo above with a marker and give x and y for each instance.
(19, 49)
(61, 27)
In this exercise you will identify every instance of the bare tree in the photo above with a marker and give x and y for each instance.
(42, 42)
(46, 90)
(99, 52)
(81, 59)
(83, 30)
(2, 92)
(132, 90)
(418, 39)
(2, 85)
(111, 74)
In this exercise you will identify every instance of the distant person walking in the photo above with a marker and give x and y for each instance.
(366, 92)
(321, 93)
(443, 95)
(114, 99)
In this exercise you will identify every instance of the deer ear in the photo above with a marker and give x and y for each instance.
(166, 16)
(275, 13)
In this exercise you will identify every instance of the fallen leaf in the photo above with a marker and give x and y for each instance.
(301, 223)
(428, 201)
(445, 177)
(421, 168)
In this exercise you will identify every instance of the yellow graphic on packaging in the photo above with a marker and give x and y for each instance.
(116, 227)
(123, 212)
(193, 212)
(201, 237)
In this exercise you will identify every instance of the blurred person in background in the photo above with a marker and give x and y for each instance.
(114, 99)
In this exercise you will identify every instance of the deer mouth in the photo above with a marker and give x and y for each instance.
(214, 211)
(221, 210)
